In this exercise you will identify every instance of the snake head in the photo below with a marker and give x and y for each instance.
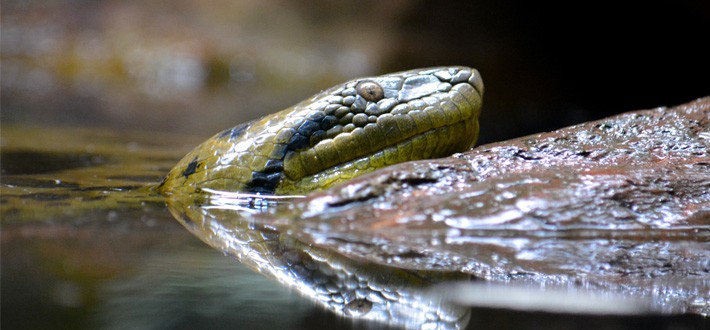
(342, 132)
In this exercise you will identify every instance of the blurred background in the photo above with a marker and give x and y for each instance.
(197, 67)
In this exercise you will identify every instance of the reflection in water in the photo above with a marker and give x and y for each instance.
(353, 288)
(197, 288)
(71, 259)
(431, 287)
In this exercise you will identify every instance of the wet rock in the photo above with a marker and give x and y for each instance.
(622, 203)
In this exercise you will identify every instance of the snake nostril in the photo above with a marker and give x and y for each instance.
(461, 76)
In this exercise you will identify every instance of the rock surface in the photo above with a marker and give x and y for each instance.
(621, 203)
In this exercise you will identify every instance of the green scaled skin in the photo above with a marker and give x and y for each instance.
(340, 133)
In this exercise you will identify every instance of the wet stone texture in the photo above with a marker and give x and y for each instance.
(619, 204)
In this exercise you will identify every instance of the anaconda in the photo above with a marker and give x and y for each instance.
(342, 132)
(665, 261)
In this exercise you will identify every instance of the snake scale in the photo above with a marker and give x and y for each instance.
(342, 132)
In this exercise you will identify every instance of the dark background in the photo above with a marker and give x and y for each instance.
(545, 65)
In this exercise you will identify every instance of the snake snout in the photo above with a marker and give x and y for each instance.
(476, 81)
(464, 75)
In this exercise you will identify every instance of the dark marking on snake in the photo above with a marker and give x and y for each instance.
(298, 141)
(328, 122)
(308, 127)
(317, 136)
(191, 168)
(273, 166)
(234, 132)
(264, 183)
(307, 133)
(316, 116)
(280, 150)
(303, 136)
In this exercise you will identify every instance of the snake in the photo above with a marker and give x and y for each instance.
(339, 133)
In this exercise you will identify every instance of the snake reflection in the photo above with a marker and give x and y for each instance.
(352, 288)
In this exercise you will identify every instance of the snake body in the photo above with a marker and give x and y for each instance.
(342, 132)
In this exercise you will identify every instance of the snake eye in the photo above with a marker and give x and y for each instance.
(370, 90)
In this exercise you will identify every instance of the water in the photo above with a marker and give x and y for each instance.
(86, 245)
